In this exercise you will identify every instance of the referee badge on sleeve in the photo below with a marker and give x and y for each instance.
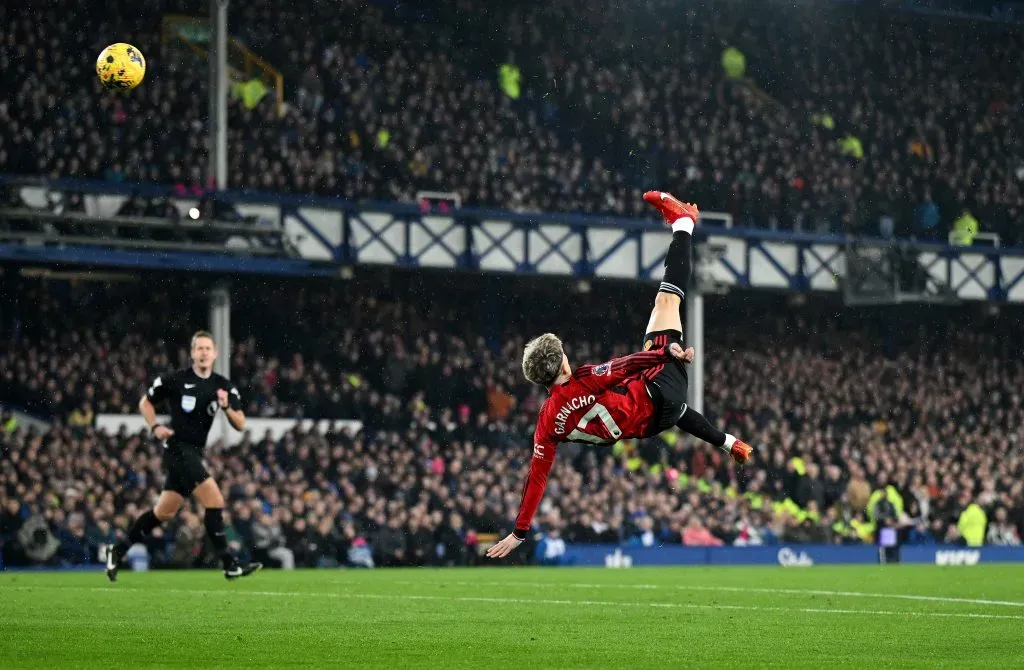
(188, 403)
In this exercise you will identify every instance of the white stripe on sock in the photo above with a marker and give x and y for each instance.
(684, 224)
(729, 441)
(671, 288)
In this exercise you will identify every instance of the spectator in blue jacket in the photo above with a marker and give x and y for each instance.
(926, 218)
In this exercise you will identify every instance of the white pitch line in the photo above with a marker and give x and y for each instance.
(523, 601)
(738, 589)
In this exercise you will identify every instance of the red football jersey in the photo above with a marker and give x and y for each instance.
(600, 404)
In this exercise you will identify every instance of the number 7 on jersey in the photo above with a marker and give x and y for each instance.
(601, 412)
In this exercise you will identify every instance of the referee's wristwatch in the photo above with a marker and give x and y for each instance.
(152, 429)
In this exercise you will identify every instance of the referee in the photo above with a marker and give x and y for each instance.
(195, 396)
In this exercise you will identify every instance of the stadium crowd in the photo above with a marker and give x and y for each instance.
(385, 100)
(859, 422)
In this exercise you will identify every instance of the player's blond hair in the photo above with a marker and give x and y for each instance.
(542, 359)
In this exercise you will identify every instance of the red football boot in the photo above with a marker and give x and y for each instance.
(671, 207)
(741, 451)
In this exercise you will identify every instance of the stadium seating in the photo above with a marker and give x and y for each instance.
(385, 101)
(837, 405)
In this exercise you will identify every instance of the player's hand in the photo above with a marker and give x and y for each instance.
(685, 355)
(162, 432)
(505, 547)
(222, 398)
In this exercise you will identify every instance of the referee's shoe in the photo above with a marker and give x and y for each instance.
(113, 562)
(233, 569)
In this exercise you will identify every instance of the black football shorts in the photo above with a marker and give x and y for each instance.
(668, 384)
(184, 469)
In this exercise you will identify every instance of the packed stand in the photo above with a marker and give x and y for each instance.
(934, 126)
(839, 407)
(385, 100)
(334, 140)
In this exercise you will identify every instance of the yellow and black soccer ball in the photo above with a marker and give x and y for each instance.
(120, 67)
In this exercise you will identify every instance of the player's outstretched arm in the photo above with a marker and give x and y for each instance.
(598, 378)
(533, 493)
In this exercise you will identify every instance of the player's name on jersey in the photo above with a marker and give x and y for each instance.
(579, 402)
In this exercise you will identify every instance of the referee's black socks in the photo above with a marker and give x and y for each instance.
(140, 530)
(215, 530)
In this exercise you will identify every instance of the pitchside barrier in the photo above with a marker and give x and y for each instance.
(256, 428)
(614, 556)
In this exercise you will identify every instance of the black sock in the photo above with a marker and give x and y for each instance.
(215, 530)
(677, 264)
(695, 424)
(142, 527)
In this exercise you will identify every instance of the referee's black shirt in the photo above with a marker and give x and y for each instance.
(193, 403)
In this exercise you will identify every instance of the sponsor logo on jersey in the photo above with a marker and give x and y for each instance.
(190, 386)
(648, 344)
(579, 402)
(603, 369)
(188, 403)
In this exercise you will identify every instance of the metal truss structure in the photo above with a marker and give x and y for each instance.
(325, 234)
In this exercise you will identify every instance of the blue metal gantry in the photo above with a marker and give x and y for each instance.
(326, 233)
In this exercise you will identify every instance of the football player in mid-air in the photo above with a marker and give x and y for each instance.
(635, 396)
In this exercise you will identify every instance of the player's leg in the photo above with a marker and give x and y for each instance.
(210, 497)
(695, 423)
(167, 506)
(666, 321)
(681, 217)
(665, 315)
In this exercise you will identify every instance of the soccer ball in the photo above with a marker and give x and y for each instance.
(120, 67)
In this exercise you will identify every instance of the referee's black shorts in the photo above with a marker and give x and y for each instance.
(184, 468)
(668, 384)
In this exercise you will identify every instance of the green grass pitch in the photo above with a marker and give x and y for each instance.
(821, 617)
